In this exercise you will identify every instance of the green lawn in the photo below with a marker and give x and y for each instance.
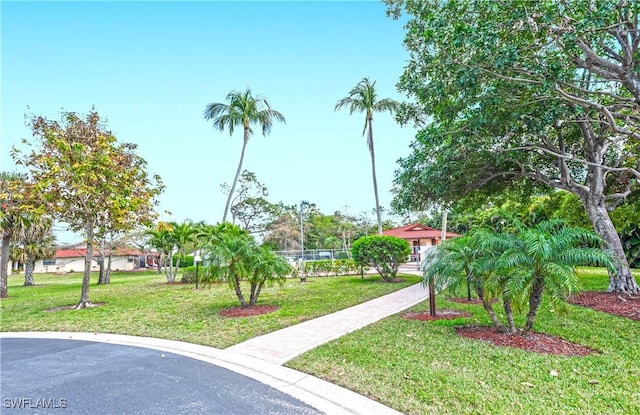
(142, 304)
(415, 367)
(425, 368)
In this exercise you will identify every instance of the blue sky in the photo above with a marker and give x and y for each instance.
(151, 67)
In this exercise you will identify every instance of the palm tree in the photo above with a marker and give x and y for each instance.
(544, 258)
(13, 220)
(38, 242)
(243, 110)
(233, 252)
(459, 260)
(362, 98)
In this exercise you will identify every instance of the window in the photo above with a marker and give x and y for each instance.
(49, 261)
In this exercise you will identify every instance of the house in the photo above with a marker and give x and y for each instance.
(72, 260)
(419, 236)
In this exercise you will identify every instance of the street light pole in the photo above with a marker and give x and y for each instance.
(197, 260)
(303, 278)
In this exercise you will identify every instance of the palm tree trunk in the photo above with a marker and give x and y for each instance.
(236, 287)
(506, 303)
(28, 273)
(489, 309)
(235, 179)
(373, 173)
(534, 302)
(4, 264)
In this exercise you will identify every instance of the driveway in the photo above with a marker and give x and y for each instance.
(53, 376)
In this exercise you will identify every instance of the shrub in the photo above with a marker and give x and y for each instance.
(185, 261)
(384, 253)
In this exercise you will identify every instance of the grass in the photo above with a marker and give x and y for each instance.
(421, 367)
(142, 304)
(413, 366)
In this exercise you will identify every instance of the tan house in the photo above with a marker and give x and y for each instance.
(72, 260)
(419, 236)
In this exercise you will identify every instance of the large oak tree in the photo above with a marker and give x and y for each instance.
(519, 92)
(88, 179)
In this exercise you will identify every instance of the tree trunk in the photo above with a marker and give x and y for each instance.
(236, 287)
(489, 308)
(534, 302)
(168, 270)
(506, 303)
(258, 291)
(101, 276)
(373, 173)
(235, 179)
(84, 296)
(28, 273)
(4, 264)
(622, 279)
(108, 270)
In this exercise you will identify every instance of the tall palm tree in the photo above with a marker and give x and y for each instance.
(243, 110)
(363, 98)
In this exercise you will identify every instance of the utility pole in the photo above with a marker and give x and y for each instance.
(303, 277)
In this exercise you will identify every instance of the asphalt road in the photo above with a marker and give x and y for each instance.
(49, 376)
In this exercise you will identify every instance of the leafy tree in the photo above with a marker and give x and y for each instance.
(87, 179)
(384, 253)
(283, 233)
(243, 110)
(524, 94)
(363, 98)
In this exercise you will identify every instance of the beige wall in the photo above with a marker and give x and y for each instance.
(65, 265)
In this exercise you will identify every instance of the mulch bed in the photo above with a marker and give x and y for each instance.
(532, 342)
(611, 303)
(440, 315)
(256, 310)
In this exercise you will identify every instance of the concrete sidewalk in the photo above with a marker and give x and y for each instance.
(280, 346)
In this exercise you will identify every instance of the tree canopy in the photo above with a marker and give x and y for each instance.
(86, 178)
(524, 95)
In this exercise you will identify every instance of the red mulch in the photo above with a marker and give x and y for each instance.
(532, 342)
(621, 305)
(440, 315)
(256, 310)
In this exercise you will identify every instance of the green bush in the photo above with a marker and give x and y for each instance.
(327, 267)
(384, 253)
(185, 261)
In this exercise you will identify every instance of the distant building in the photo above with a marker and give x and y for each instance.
(419, 236)
(72, 260)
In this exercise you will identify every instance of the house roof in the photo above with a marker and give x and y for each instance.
(417, 231)
(81, 252)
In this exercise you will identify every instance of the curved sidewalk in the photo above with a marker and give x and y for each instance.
(283, 345)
